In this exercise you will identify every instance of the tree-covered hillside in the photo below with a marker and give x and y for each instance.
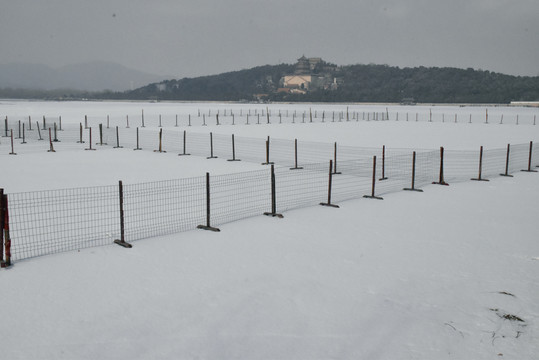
(357, 83)
(351, 83)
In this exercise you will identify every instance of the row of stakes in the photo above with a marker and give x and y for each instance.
(273, 213)
(333, 171)
(160, 148)
(341, 116)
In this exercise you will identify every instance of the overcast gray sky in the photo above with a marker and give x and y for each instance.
(201, 37)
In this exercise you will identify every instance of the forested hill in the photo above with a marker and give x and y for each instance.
(357, 83)
(351, 83)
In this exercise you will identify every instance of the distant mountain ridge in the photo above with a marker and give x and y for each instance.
(90, 76)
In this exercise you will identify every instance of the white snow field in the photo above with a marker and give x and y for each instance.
(450, 273)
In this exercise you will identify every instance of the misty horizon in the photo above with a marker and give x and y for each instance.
(209, 37)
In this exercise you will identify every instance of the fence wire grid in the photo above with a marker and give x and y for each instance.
(48, 222)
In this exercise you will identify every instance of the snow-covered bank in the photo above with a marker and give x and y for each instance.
(450, 273)
(416, 276)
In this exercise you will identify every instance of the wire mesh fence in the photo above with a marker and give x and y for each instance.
(48, 222)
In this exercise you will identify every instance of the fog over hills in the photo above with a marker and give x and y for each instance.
(90, 76)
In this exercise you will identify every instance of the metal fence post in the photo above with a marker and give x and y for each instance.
(5, 229)
(51, 148)
(211, 148)
(267, 153)
(412, 188)
(530, 160)
(441, 179)
(137, 148)
(55, 133)
(23, 134)
(38, 130)
(296, 167)
(117, 139)
(184, 144)
(101, 143)
(480, 166)
(372, 195)
(80, 135)
(160, 150)
(142, 118)
(329, 187)
(90, 139)
(273, 212)
(121, 241)
(507, 163)
(208, 203)
(233, 150)
(383, 163)
(12, 147)
(2, 218)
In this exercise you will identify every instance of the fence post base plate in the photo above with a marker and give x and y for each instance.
(373, 197)
(210, 228)
(410, 189)
(330, 205)
(123, 243)
(440, 183)
(280, 216)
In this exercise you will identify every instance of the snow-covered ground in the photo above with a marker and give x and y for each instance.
(450, 273)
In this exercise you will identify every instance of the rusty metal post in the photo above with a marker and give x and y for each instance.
(273, 212)
(383, 163)
(372, 195)
(441, 178)
(268, 162)
(2, 219)
(296, 167)
(329, 187)
(184, 144)
(5, 228)
(480, 166)
(121, 241)
(412, 188)
(208, 203)
(507, 163)
(160, 149)
(51, 148)
(530, 160)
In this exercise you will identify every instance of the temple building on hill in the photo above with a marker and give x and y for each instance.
(309, 74)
